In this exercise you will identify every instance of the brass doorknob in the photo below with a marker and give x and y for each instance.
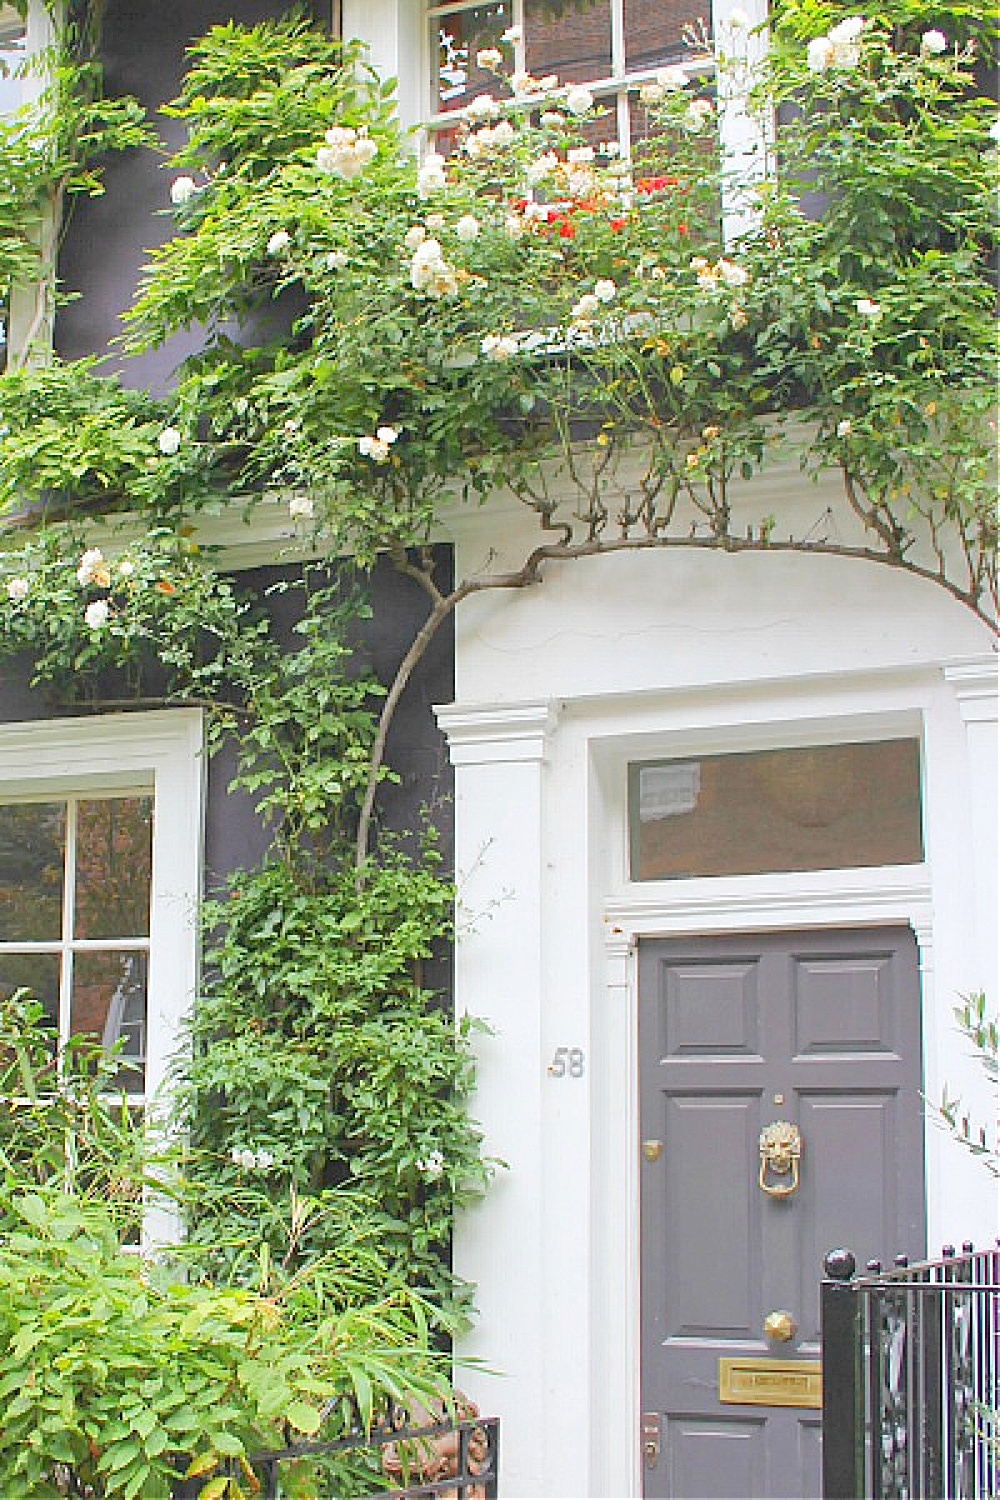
(779, 1327)
(652, 1150)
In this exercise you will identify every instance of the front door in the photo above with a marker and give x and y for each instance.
(817, 1033)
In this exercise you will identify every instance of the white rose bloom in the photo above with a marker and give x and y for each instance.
(96, 614)
(182, 190)
(126, 568)
(994, 131)
(435, 222)
(579, 100)
(732, 274)
(498, 347)
(340, 137)
(580, 155)
(844, 40)
(542, 167)
(869, 309)
(467, 228)
(482, 107)
(328, 160)
(512, 34)
(651, 93)
(847, 30)
(414, 236)
(514, 225)
(387, 435)
(91, 563)
(279, 242)
(587, 306)
(169, 441)
(432, 1167)
(671, 78)
(366, 150)
(431, 176)
(844, 427)
(489, 58)
(738, 19)
(932, 43)
(552, 119)
(819, 54)
(264, 1161)
(337, 260)
(696, 114)
(301, 508)
(503, 133)
(605, 290)
(17, 589)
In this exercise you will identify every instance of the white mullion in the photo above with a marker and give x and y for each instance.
(68, 920)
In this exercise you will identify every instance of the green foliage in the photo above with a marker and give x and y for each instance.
(153, 607)
(54, 149)
(979, 1029)
(119, 1372)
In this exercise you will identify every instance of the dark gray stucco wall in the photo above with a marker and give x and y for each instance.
(234, 837)
(109, 237)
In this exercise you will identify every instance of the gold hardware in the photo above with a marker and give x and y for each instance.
(780, 1150)
(771, 1382)
(652, 1150)
(651, 1438)
(779, 1098)
(779, 1326)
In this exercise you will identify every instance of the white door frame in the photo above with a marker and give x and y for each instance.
(630, 911)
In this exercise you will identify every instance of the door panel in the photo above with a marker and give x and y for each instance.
(821, 1030)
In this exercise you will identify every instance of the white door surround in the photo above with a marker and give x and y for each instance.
(549, 926)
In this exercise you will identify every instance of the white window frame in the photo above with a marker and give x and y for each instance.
(30, 314)
(744, 141)
(161, 753)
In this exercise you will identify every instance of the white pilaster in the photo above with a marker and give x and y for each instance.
(394, 33)
(974, 684)
(499, 757)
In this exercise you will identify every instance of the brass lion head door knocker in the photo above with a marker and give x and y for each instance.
(780, 1151)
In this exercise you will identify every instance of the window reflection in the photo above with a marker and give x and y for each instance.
(113, 866)
(823, 808)
(109, 1004)
(32, 838)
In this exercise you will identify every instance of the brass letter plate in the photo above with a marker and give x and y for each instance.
(771, 1382)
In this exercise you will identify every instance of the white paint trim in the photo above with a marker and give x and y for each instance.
(975, 686)
(161, 751)
(480, 735)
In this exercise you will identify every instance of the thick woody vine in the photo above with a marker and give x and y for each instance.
(534, 314)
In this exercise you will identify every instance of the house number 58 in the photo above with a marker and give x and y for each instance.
(567, 1062)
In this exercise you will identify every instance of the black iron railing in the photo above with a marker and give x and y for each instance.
(911, 1378)
(394, 1459)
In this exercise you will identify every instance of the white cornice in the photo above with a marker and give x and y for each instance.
(975, 686)
(479, 734)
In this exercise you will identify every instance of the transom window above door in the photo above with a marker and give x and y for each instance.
(613, 46)
(821, 807)
(75, 889)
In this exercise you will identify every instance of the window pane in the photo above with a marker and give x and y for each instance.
(456, 37)
(656, 31)
(109, 1003)
(825, 808)
(37, 972)
(114, 843)
(31, 871)
(12, 54)
(575, 44)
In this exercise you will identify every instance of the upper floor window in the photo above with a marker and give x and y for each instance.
(613, 46)
(13, 51)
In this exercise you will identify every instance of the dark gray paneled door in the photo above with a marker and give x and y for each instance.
(820, 1030)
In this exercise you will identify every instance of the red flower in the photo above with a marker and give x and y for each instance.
(682, 229)
(566, 230)
(617, 225)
